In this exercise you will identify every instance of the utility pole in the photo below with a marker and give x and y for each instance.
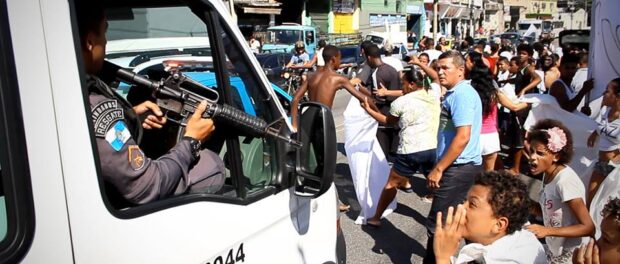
(585, 14)
(233, 14)
(571, 8)
(471, 18)
(435, 19)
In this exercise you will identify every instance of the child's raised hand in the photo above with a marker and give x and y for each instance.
(586, 254)
(448, 236)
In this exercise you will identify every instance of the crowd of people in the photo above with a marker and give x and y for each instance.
(448, 112)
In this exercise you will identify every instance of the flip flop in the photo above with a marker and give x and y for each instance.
(407, 190)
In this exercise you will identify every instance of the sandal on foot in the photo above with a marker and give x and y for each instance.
(373, 225)
(406, 189)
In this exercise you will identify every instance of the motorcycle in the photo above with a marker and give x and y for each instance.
(292, 82)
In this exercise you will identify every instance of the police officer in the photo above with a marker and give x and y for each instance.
(135, 178)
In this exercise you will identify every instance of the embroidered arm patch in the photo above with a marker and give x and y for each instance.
(136, 157)
(118, 135)
(105, 114)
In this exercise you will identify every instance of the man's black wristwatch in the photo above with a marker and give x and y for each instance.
(194, 146)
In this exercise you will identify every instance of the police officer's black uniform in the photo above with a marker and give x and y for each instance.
(134, 177)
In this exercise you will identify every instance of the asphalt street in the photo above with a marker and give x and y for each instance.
(402, 236)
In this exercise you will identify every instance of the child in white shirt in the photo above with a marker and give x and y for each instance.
(491, 220)
(562, 199)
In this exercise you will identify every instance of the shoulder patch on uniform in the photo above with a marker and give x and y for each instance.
(105, 114)
(118, 135)
(136, 157)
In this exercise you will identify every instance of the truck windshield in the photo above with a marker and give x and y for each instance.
(374, 39)
(547, 25)
(281, 36)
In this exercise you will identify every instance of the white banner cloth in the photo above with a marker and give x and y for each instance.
(604, 56)
(369, 167)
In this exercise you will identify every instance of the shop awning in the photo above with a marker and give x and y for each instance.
(261, 10)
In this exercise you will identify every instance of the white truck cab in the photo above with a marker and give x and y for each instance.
(278, 203)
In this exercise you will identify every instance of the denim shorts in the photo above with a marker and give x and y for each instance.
(409, 164)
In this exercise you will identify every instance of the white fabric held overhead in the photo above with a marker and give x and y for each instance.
(368, 164)
(604, 56)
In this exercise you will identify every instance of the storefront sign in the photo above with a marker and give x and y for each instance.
(414, 9)
(381, 19)
(343, 6)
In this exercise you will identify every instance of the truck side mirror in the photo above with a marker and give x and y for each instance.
(316, 159)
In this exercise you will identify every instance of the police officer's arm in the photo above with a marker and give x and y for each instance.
(140, 179)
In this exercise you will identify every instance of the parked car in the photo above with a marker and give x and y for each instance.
(350, 54)
(512, 37)
(577, 38)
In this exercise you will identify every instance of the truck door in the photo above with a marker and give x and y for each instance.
(255, 217)
(17, 220)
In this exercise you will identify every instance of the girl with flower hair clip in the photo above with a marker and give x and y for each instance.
(562, 199)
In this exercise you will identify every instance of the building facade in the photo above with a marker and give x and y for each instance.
(541, 9)
(514, 10)
(456, 18)
(493, 17)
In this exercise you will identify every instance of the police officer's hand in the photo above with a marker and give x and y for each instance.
(155, 119)
(197, 127)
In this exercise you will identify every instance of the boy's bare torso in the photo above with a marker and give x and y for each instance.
(322, 86)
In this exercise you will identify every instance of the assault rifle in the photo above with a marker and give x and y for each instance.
(173, 97)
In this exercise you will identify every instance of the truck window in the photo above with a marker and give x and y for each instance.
(16, 209)
(283, 36)
(309, 37)
(155, 41)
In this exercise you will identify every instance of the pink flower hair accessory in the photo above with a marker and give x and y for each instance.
(557, 139)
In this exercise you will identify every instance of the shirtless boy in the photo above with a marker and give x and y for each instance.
(322, 87)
